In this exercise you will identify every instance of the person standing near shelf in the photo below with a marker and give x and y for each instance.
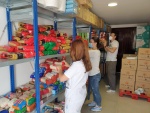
(76, 77)
(111, 62)
(94, 74)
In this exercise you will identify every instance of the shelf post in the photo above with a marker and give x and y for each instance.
(11, 67)
(74, 29)
(36, 44)
(55, 25)
(98, 33)
(90, 31)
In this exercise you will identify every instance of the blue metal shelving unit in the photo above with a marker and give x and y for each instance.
(11, 67)
(90, 30)
(36, 63)
(74, 29)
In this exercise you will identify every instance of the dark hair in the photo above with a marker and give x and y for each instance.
(80, 51)
(96, 40)
(114, 34)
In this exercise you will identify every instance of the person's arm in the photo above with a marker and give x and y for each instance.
(112, 49)
(66, 64)
(62, 77)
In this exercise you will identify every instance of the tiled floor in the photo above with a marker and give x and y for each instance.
(112, 103)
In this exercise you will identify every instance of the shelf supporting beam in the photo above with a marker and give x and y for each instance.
(11, 67)
(55, 25)
(74, 30)
(90, 31)
(98, 33)
(36, 43)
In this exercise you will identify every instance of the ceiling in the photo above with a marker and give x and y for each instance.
(127, 11)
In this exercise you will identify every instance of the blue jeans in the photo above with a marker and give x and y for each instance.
(94, 83)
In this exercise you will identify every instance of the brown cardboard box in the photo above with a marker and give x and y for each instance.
(86, 3)
(108, 29)
(80, 11)
(144, 53)
(129, 55)
(143, 75)
(128, 74)
(101, 23)
(126, 84)
(130, 64)
(144, 65)
(144, 85)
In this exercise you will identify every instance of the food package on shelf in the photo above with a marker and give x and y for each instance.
(62, 6)
(31, 107)
(23, 110)
(71, 7)
(11, 102)
(30, 100)
(19, 104)
(52, 4)
(4, 111)
(11, 110)
(51, 107)
(71, 10)
(4, 102)
(10, 95)
(41, 72)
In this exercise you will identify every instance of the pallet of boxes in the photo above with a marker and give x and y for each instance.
(142, 83)
(128, 72)
(135, 75)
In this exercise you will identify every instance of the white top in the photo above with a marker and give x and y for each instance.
(95, 60)
(112, 56)
(77, 78)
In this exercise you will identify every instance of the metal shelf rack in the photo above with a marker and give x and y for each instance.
(20, 10)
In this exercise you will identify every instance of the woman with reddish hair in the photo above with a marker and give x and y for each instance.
(76, 77)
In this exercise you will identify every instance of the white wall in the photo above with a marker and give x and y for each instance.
(22, 71)
(128, 25)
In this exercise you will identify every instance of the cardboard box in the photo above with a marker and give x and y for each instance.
(144, 85)
(144, 65)
(143, 76)
(129, 55)
(80, 11)
(101, 23)
(108, 29)
(144, 53)
(126, 84)
(130, 64)
(86, 3)
(128, 74)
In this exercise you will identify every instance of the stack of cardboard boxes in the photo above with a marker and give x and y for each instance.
(128, 72)
(135, 72)
(85, 14)
(143, 71)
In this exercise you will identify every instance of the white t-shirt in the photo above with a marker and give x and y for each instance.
(113, 56)
(95, 60)
(77, 76)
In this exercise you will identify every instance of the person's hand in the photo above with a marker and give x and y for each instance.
(59, 69)
(66, 64)
(104, 43)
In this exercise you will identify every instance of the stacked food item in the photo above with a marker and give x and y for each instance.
(24, 98)
(22, 44)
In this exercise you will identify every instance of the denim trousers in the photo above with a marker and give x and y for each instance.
(94, 85)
